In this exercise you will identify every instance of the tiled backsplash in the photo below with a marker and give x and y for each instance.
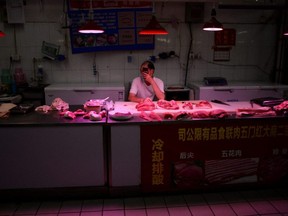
(251, 59)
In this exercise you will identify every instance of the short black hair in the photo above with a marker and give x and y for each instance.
(149, 64)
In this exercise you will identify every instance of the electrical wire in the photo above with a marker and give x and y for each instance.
(188, 55)
(94, 66)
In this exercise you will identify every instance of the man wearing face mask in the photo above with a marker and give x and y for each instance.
(146, 85)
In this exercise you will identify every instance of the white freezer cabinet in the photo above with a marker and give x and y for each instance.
(66, 157)
(79, 94)
(238, 91)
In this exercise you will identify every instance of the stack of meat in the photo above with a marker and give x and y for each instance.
(146, 105)
(182, 115)
(91, 115)
(57, 104)
(204, 105)
(169, 105)
(217, 113)
(204, 110)
(60, 105)
(282, 109)
(283, 105)
(150, 116)
(256, 112)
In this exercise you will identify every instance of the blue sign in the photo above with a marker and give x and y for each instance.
(121, 26)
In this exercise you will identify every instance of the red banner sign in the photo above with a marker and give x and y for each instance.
(193, 155)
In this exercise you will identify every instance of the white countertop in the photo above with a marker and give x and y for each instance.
(124, 107)
(240, 85)
(86, 86)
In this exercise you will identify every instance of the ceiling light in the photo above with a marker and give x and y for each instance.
(90, 27)
(213, 24)
(2, 34)
(153, 28)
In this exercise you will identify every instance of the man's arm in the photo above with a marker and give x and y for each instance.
(159, 94)
(132, 97)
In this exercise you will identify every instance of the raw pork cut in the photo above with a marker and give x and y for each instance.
(204, 105)
(187, 105)
(146, 105)
(201, 114)
(43, 109)
(59, 104)
(170, 105)
(218, 113)
(145, 116)
(258, 112)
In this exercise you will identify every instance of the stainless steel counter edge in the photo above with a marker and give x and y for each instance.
(55, 119)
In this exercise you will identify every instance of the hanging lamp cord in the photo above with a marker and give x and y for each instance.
(188, 56)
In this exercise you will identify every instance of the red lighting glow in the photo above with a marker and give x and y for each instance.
(153, 28)
(2, 34)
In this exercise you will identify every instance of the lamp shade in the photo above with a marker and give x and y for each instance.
(153, 28)
(90, 27)
(213, 25)
(2, 34)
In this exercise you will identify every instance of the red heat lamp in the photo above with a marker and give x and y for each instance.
(213, 24)
(90, 27)
(2, 34)
(153, 28)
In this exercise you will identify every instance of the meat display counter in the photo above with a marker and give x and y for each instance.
(197, 153)
(146, 155)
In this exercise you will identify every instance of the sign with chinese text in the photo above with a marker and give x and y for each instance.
(213, 153)
(226, 37)
(121, 21)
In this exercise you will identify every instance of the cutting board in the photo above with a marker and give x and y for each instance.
(5, 107)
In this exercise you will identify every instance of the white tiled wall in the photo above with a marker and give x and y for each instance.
(251, 59)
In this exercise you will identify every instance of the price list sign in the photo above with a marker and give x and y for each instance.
(121, 21)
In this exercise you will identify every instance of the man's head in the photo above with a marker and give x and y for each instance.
(147, 67)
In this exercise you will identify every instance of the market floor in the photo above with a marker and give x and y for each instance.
(268, 202)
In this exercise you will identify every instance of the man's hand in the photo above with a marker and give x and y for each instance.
(148, 78)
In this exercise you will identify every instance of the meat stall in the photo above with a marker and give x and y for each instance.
(162, 146)
(197, 151)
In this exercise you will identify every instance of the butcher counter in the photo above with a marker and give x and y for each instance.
(47, 151)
